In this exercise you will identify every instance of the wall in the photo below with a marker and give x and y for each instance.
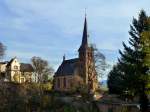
(116, 108)
(71, 82)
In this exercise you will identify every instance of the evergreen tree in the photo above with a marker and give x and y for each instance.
(145, 77)
(114, 80)
(132, 59)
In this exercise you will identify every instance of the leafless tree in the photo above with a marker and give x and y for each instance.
(2, 50)
(99, 61)
(42, 69)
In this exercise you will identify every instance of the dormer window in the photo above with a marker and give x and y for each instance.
(15, 67)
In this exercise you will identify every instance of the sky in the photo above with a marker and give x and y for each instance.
(52, 28)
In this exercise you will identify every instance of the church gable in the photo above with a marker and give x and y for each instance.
(68, 67)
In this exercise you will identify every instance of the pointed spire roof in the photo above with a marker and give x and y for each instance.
(84, 43)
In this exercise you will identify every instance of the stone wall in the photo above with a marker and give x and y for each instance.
(104, 107)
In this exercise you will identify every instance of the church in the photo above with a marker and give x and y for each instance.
(79, 71)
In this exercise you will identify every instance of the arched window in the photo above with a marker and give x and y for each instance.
(64, 82)
(58, 83)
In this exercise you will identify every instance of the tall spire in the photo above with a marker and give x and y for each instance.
(84, 43)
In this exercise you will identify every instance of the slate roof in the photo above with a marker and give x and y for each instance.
(25, 67)
(68, 67)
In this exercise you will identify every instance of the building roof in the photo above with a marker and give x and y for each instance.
(68, 67)
(9, 63)
(25, 67)
(5, 62)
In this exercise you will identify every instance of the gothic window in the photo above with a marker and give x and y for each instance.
(71, 82)
(58, 82)
(64, 81)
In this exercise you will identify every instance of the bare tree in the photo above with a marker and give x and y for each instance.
(100, 61)
(2, 50)
(42, 69)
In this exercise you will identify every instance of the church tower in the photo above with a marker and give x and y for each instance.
(87, 68)
(75, 72)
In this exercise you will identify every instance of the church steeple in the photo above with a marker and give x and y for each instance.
(84, 43)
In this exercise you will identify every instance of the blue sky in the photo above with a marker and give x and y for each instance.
(52, 28)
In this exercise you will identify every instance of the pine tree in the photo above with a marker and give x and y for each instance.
(145, 77)
(132, 59)
(115, 79)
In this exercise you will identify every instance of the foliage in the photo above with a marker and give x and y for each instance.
(68, 108)
(16, 77)
(115, 80)
(22, 97)
(146, 51)
(145, 77)
(100, 61)
(131, 70)
(27, 98)
(42, 69)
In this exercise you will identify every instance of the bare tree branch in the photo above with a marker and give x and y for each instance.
(2, 50)
(42, 69)
(99, 61)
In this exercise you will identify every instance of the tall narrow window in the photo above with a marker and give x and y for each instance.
(64, 82)
(58, 83)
